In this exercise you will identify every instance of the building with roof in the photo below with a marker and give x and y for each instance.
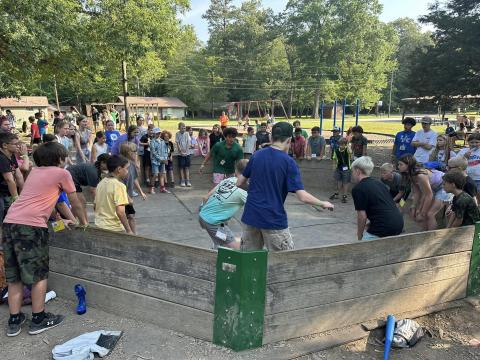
(160, 107)
(25, 106)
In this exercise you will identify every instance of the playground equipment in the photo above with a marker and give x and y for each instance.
(334, 113)
(239, 109)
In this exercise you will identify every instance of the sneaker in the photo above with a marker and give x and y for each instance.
(188, 183)
(172, 184)
(135, 194)
(15, 329)
(157, 184)
(164, 191)
(334, 196)
(182, 183)
(50, 321)
(152, 190)
(344, 199)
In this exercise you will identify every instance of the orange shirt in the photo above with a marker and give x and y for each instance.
(223, 120)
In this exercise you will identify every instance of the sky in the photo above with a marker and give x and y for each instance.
(392, 9)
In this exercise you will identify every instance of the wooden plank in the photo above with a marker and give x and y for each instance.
(163, 255)
(298, 294)
(311, 262)
(179, 289)
(312, 320)
(166, 314)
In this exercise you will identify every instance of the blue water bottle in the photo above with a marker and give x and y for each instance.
(82, 303)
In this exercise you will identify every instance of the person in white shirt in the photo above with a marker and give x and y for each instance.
(424, 141)
(249, 143)
(472, 154)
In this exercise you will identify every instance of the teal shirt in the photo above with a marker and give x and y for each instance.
(224, 202)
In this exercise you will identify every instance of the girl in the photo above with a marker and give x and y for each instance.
(130, 136)
(166, 136)
(442, 152)
(129, 151)
(430, 197)
(146, 158)
(62, 131)
(106, 117)
(99, 146)
(85, 137)
(203, 143)
(159, 150)
(75, 139)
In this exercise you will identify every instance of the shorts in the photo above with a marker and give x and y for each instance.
(212, 232)
(478, 185)
(158, 168)
(443, 196)
(344, 176)
(183, 161)
(78, 188)
(5, 202)
(129, 210)
(274, 240)
(146, 160)
(26, 253)
(169, 166)
(37, 141)
(218, 177)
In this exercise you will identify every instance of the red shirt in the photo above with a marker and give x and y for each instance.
(299, 146)
(34, 131)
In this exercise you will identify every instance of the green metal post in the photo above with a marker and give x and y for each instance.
(240, 298)
(473, 286)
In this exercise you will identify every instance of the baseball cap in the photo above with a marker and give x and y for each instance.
(282, 129)
(156, 130)
(426, 120)
(336, 128)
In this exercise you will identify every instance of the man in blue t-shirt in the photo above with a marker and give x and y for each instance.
(403, 140)
(273, 174)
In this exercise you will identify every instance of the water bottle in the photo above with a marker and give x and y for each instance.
(82, 304)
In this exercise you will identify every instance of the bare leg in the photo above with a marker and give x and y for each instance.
(161, 180)
(431, 222)
(172, 177)
(182, 174)
(187, 173)
(39, 290)
(83, 202)
(15, 297)
(132, 223)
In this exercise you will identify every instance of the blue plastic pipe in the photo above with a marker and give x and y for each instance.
(388, 336)
(335, 113)
(357, 112)
(344, 105)
(322, 106)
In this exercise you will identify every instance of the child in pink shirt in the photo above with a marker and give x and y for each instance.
(25, 236)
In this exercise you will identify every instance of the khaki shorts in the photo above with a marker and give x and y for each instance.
(274, 240)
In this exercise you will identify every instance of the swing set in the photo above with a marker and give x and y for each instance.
(239, 109)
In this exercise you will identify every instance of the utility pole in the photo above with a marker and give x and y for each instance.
(125, 92)
(56, 91)
(390, 99)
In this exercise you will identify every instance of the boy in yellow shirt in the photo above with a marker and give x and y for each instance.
(111, 197)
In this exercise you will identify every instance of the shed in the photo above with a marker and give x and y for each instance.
(161, 107)
(25, 106)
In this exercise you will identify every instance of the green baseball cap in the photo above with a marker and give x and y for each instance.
(282, 129)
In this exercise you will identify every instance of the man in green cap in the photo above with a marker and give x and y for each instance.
(273, 174)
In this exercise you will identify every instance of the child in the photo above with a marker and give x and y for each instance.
(184, 142)
(297, 125)
(464, 210)
(298, 145)
(393, 181)
(441, 154)
(99, 146)
(111, 197)
(203, 143)
(342, 167)
(193, 141)
(316, 145)
(159, 157)
(25, 236)
(220, 205)
(35, 137)
(129, 151)
(146, 158)
(459, 164)
(111, 134)
(215, 136)
(166, 136)
(472, 154)
(264, 138)
(359, 142)
(334, 139)
(249, 143)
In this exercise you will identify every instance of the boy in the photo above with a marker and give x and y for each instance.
(220, 205)
(459, 164)
(42, 124)
(111, 197)
(159, 158)
(298, 145)
(273, 174)
(183, 141)
(334, 139)
(111, 134)
(358, 142)
(343, 173)
(316, 145)
(263, 137)
(249, 143)
(25, 236)
(424, 141)
(297, 125)
(472, 155)
(35, 137)
(393, 181)
(403, 140)
(464, 209)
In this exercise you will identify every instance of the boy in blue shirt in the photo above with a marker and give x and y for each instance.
(273, 174)
(403, 140)
(334, 139)
(111, 134)
(220, 205)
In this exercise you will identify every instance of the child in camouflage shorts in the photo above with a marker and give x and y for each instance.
(25, 236)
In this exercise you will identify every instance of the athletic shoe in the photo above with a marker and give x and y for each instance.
(48, 322)
(188, 183)
(135, 194)
(15, 329)
(344, 199)
(334, 196)
(183, 183)
(172, 184)
(164, 191)
(152, 190)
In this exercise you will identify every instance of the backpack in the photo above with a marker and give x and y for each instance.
(407, 333)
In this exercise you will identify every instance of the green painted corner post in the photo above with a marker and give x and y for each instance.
(473, 286)
(240, 289)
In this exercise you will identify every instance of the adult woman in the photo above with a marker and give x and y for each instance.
(85, 139)
(105, 117)
(429, 195)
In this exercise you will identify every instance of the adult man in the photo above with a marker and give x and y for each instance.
(223, 121)
(11, 119)
(373, 202)
(225, 154)
(403, 140)
(273, 174)
(5, 125)
(424, 141)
